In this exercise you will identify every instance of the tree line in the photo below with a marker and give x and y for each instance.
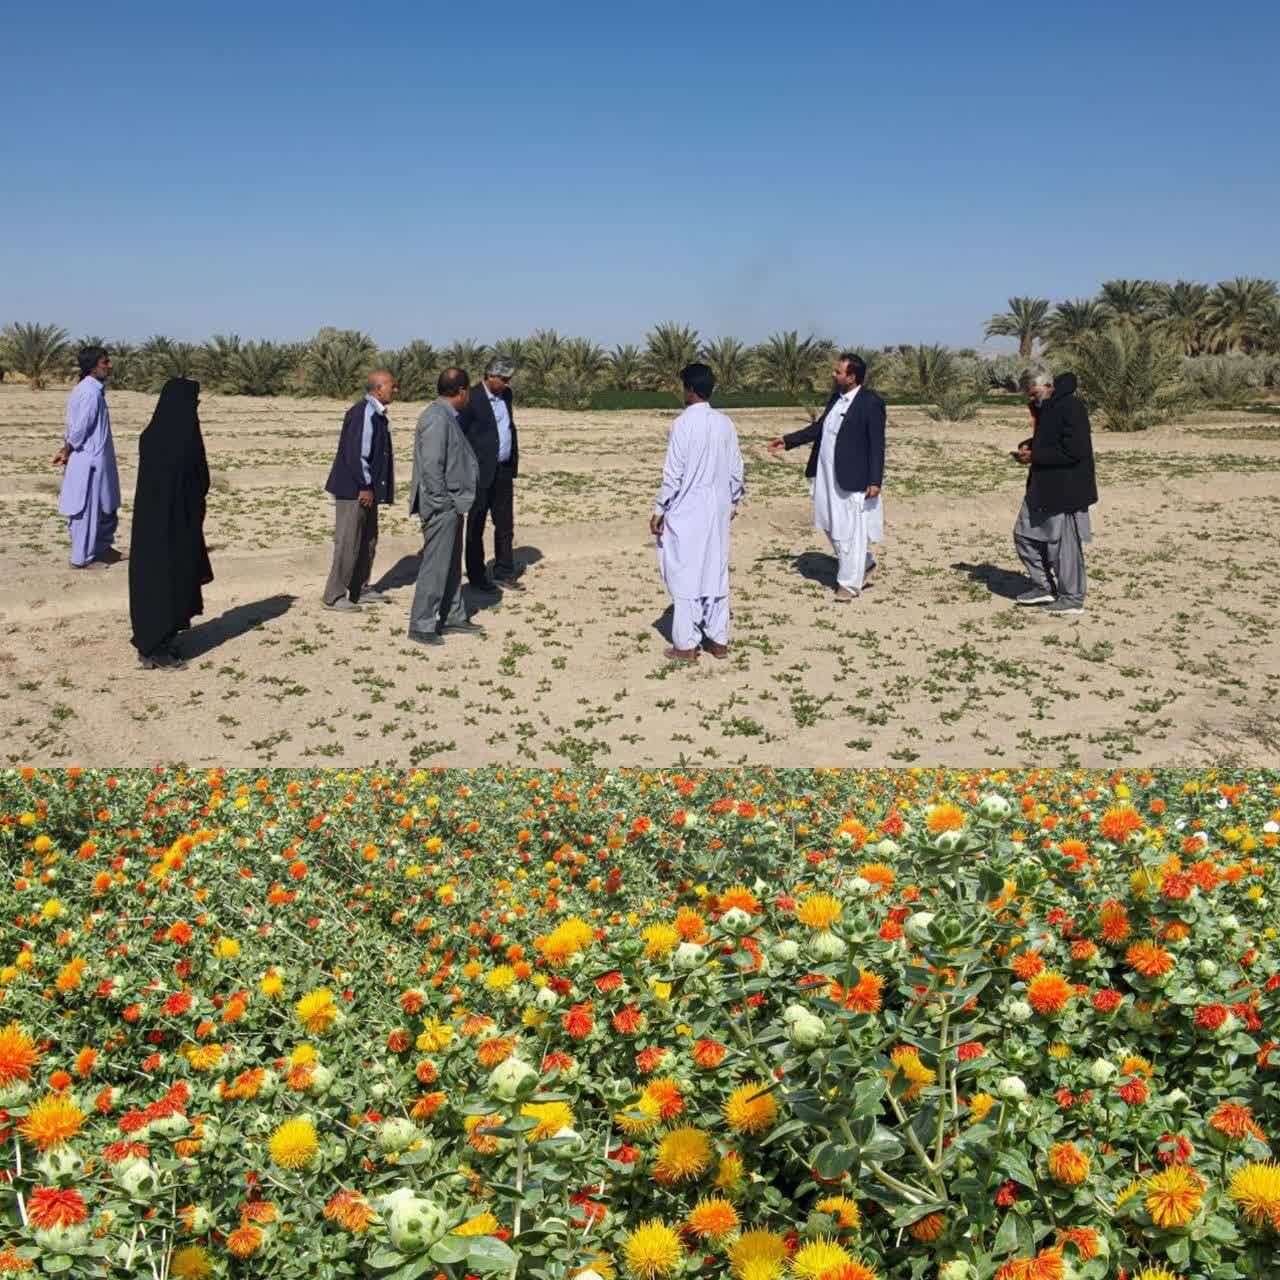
(1134, 348)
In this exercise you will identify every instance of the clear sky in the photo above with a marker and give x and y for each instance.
(875, 173)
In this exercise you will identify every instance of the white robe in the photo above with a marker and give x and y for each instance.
(702, 483)
(851, 520)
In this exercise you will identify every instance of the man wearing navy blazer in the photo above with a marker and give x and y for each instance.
(489, 424)
(846, 466)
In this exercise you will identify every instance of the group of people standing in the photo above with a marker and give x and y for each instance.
(168, 559)
(466, 456)
(465, 463)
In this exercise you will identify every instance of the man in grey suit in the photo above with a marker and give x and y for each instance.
(442, 491)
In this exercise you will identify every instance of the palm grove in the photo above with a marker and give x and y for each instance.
(1141, 350)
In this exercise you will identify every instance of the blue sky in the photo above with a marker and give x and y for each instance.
(876, 173)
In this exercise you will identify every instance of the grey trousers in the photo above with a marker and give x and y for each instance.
(1051, 548)
(437, 599)
(355, 542)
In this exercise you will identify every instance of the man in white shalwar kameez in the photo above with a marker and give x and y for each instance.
(846, 467)
(702, 485)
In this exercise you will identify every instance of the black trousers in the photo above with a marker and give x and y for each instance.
(497, 500)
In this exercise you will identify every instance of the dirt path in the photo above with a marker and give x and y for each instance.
(1176, 661)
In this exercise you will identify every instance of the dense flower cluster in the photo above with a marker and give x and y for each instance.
(748, 1026)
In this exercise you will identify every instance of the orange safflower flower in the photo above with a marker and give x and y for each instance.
(1048, 994)
(1085, 1240)
(1068, 1164)
(1027, 965)
(495, 1050)
(18, 1055)
(879, 874)
(50, 1207)
(708, 1054)
(866, 994)
(52, 1121)
(1236, 1121)
(928, 1228)
(944, 817)
(712, 1218)
(738, 897)
(1113, 922)
(1173, 1196)
(1149, 959)
(245, 1241)
(1118, 823)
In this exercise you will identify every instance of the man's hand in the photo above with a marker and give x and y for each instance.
(366, 498)
(1024, 454)
(62, 457)
(777, 445)
(655, 524)
(873, 491)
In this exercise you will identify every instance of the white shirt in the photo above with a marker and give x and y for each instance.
(372, 405)
(503, 419)
(837, 411)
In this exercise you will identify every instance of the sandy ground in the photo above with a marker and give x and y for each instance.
(1176, 661)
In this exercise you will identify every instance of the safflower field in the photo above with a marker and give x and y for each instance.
(756, 1025)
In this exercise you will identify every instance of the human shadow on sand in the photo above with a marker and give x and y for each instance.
(404, 573)
(998, 580)
(234, 622)
(816, 567)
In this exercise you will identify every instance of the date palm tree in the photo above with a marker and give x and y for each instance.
(1130, 303)
(791, 364)
(39, 352)
(416, 367)
(337, 363)
(512, 349)
(1130, 377)
(161, 358)
(1235, 312)
(1072, 318)
(468, 354)
(217, 362)
(668, 348)
(936, 372)
(577, 373)
(1182, 308)
(625, 367)
(728, 357)
(263, 369)
(542, 355)
(1025, 320)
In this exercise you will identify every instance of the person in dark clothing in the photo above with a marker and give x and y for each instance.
(168, 561)
(489, 424)
(1053, 523)
(362, 479)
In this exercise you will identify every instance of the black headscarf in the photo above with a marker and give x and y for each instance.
(168, 561)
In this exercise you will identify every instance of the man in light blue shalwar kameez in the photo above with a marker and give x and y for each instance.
(91, 484)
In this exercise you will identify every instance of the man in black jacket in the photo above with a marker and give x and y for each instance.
(846, 466)
(489, 424)
(361, 480)
(1053, 523)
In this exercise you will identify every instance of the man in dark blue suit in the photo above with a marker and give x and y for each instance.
(846, 466)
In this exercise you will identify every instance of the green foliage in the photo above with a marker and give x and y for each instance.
(416, 367)
(793, 365)
(1183, 315)
(40, 352)
(1025, 320)
(264, 368)
(542, 356)
(1226, 382)
(625, 369)
(1130, 303)
(730, 359)
(1237, 313)
(337, 363)
(1130, 377)
(1072, 318)
(160, 358)
(668, 348)
(467, 354)
(217, 363)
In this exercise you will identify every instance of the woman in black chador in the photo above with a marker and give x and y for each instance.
(168, 562)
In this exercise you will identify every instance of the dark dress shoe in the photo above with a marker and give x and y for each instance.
(161, 660)
(508, 582)
(466, 628)
(425, 637)
(486, 586)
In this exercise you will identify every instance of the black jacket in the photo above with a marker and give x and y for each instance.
(859, 446)
(1062, 476)
(481, 429)
(346, 477)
